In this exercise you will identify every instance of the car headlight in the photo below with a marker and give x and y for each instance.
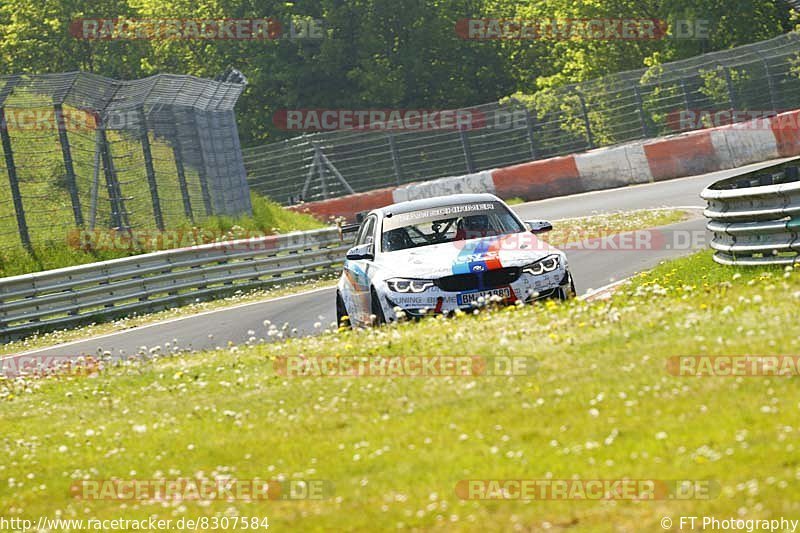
(409, 285)
(548, 264)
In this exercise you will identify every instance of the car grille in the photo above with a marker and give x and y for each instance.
(482, 280)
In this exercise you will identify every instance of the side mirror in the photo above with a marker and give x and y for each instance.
(538, 226)
(363, 251)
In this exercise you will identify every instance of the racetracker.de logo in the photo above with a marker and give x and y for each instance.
(46, 119)
(403, 366)
(603, 29)
(260, 29)
(752, 119)
(196, 489)
(48, 365)
(733, 366)
(586, 489)
(378, 119)
(145, 239)
(580, 239)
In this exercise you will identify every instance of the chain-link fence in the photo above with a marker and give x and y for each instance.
(81, 150)
(669, 98)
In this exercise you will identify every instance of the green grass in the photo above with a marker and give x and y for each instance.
(601, 405)
(268, 218)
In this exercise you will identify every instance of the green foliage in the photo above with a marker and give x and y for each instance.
(375, 53)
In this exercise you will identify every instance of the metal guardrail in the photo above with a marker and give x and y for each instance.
(755, 217)
(149, 282)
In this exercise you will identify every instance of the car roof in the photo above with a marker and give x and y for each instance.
(438, 201)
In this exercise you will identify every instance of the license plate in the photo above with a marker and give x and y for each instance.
(466, 298)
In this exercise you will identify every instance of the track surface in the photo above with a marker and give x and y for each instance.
(590, 268)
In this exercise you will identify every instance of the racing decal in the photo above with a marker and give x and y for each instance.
(478, 257)
(357, 297)
(356, 276)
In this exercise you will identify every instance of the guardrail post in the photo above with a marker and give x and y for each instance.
(144, 138)
(586, 123)
(640, 108)
(398, 171)
(66, 153)
(530, 128)
(467, 151)
(13, 182)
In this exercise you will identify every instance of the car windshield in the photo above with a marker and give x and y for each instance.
(449, 223)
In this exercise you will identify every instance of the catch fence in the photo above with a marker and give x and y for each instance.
(81, 150)
(712, 89)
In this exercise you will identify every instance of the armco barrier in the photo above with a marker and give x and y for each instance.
(148, 282)
(755, 217)
(676, 156)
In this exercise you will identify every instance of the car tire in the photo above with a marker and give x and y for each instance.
(567, 294)
(376, 308)
(341, 312)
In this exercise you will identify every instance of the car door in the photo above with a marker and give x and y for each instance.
(357, 274)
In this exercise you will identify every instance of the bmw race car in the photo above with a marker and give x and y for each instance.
(441, 254)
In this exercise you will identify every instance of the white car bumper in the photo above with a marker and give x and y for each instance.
(526, 288)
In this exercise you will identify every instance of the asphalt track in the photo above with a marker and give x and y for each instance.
(592, 267)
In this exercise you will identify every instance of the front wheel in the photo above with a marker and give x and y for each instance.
(342, 319)
(568, 293)
(376, 308)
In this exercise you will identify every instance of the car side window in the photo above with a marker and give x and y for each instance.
(365, 236)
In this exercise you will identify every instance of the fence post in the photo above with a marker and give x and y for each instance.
(731, 92)
(310, 175)
(178, 154)
(467, 151)
(150, 171)
(640, 108)
(201, 171)
(530, 127)
(589, 136)
(685, 95)
(322, 180)
(770, 81)
(398, 171)
(66, 153)
(13, 182)
(118, 214)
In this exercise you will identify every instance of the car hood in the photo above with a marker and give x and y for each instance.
(462, 257)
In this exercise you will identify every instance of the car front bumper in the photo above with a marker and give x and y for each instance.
(527, 288)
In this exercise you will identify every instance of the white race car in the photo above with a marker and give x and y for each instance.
(442, 254)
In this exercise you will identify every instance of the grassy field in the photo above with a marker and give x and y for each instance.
(600, 405)
(565, 232)
(57, 251)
